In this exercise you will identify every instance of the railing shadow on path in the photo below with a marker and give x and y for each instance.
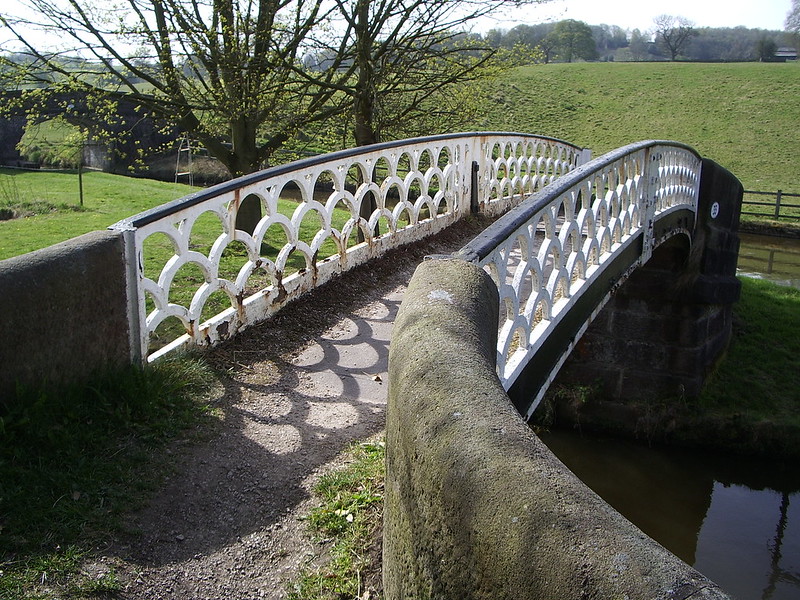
(298, 390)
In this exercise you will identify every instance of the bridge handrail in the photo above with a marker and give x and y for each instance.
(545, 253)
(419, 187)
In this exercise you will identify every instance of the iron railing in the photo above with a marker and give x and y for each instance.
(545, 254)
(199, 271)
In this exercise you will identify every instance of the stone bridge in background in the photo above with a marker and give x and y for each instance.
(127, 126)
(648, 231)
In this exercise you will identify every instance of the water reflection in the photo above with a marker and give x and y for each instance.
(769, 257)
(737, 521)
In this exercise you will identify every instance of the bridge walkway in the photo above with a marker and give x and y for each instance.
(297, 391)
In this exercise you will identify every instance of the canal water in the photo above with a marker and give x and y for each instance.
(768, 257)
(736, 521)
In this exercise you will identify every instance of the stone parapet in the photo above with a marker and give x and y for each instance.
(476, 505)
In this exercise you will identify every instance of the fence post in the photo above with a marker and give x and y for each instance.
(778, 204)
(136, 309)
(474, 203)
(652, 163)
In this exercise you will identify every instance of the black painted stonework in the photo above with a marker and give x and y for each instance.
(664, 330)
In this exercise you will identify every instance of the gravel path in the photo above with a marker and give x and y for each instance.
(297, 391)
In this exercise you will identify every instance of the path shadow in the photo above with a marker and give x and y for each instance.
(298, 390)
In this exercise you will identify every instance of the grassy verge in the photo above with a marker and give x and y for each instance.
(74, 459)
(748, 124)
(759, 379)
(347, 523)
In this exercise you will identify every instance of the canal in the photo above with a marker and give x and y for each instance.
(769, 257)
(737, 521)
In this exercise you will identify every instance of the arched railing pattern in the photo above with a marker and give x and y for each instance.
(200, 272)
(561, 248)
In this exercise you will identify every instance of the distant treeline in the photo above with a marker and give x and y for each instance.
(731, 44)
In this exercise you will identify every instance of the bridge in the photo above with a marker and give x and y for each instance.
(128, 127)
(573, 231)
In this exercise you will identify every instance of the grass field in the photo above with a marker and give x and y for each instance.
(745, 116)
(53, 203)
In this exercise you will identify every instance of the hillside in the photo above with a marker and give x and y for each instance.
(745, 116)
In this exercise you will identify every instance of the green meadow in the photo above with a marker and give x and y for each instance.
(745, 116)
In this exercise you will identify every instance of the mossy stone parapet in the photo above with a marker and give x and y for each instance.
(476, 505)
(65, 312)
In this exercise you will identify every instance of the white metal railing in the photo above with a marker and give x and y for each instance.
(197, 275)
(545, 254)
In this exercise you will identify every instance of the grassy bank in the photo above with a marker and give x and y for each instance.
(745, 116)
(755, 391)
(75, 459)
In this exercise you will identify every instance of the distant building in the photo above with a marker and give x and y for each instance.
(784, 54)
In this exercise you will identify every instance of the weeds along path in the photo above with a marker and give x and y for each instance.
(297, 391)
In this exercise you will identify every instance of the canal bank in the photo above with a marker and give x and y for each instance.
(714, 478)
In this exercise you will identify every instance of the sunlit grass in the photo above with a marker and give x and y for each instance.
(349, 514)
(745, 116)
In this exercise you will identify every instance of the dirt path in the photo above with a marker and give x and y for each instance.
(298, 390)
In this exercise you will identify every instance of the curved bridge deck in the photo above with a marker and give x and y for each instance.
(301, 388)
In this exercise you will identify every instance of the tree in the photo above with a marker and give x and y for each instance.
(573, 40)
(404, 56)
(638, 46)
(766, 48)
(608, 39)
(217, 70)
(405, 63)
(673, 33)
(793, 18)
(792, 23)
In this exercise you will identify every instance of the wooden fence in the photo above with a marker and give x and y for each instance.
(776, 208)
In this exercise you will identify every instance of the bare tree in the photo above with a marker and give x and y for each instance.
(404, 55)
(792, 23)
(673, 33)
(218, 69)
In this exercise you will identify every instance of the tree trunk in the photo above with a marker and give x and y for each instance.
(245, 159)
(364, 102)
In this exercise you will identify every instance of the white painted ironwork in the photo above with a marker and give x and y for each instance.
(199, 269)
(514, 167)
(546, 253)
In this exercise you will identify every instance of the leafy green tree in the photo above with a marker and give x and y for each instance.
(218, 70)
(573, 40)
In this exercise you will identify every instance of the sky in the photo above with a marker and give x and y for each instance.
(639, 14)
